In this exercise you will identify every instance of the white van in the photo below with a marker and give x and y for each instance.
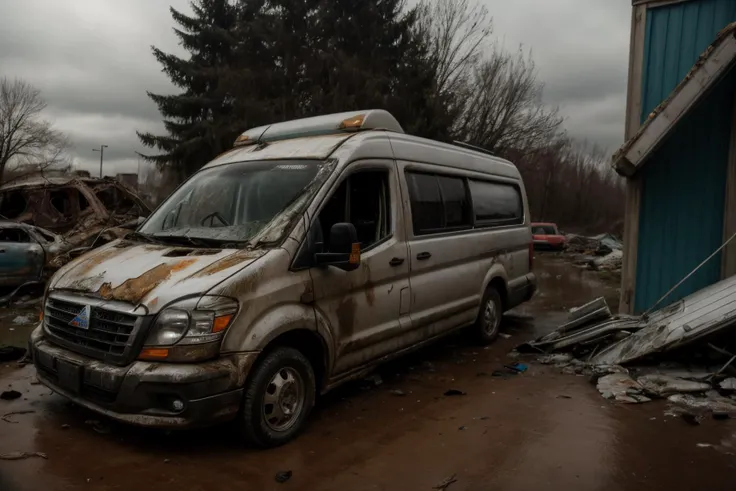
(309, 253)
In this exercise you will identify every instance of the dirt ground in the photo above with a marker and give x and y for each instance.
(541, 430)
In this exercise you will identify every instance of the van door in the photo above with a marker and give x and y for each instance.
(446, 276)
(367, 309)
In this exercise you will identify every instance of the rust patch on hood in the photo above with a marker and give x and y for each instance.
(228, 262)
(180, 265)
(134, 290)
(89, 263)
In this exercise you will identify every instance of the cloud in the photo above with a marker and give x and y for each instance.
(93, 63)
(581, 52)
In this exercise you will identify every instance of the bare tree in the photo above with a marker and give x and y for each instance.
(26, 140)
(457, 32)
(496, 101)
(504, 108)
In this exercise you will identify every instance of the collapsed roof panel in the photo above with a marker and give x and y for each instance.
(717, 59)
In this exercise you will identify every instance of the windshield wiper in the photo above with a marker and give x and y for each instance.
(142, 237)
(194, 241)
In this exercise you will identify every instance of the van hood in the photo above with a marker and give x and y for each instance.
(149, 275)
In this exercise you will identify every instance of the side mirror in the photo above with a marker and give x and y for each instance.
(344, 250)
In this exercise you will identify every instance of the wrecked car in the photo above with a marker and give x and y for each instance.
(79, 213)
(546, 236)
(281, 270)
(70, 205)
(24, 253)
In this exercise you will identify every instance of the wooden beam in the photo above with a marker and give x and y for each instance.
(728, 257)
(636, 71)
(633, 185)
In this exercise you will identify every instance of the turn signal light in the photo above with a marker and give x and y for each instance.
(354, 123)
(221, 323)
(354, 254)
(154, 353)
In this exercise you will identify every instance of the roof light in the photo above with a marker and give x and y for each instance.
(330, 124)
(353, 123)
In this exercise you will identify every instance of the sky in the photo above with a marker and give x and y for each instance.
(92, 61)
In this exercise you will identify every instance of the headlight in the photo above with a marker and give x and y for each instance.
(183, 327)
(171, 325)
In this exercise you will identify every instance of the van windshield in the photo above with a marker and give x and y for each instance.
(229, 203)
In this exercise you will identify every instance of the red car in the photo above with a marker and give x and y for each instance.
(547, 236)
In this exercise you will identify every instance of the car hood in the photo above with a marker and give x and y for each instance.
(149, 275)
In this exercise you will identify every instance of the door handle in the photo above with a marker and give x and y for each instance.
(423, 255)
(2, 251)
(397, 261)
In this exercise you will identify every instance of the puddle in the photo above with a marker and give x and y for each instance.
(16, 326)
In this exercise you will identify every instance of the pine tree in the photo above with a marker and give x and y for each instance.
(198, 120)
(367, 55)
(254, 62)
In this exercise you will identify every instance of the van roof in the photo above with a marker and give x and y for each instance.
(353, 121)
(346, 146)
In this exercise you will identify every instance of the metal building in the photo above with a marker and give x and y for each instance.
(680, 156)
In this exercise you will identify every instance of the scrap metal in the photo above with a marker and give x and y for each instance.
(80, 213)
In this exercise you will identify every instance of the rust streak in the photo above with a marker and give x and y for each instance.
(227, 262)
(89, 263)
(183, 264)
(134, 290)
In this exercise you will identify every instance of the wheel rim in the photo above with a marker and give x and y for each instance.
(283, 401)
(491, 319)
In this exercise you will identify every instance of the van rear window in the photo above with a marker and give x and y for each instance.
(496, 203)
(438, 203)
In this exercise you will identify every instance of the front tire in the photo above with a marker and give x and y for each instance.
(278, 398)
(488, 324)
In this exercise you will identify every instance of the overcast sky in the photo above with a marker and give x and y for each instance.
(93, 63)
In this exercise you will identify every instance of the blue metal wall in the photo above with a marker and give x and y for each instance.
(675, 36)
(683, 185)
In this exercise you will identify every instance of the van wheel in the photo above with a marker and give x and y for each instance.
(279, 397)
(488, 324)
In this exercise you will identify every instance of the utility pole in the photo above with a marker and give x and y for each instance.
(102, 154)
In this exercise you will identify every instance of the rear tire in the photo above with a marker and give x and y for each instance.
(488, 324)
(278, 398)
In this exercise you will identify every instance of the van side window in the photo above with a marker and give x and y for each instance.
(455, 200)
(362, 199)
(496, 203)
(438, 203)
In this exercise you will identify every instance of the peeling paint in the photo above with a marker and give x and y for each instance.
(89, 262)
(135, 289)
(229, 262)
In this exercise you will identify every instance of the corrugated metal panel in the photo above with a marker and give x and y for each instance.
(682, 202)
(675, 36)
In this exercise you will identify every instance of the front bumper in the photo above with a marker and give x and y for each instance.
(144, 393)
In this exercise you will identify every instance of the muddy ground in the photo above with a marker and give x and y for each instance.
(541, 430)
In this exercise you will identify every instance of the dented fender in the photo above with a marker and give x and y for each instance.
(276, 322)
(497, 270)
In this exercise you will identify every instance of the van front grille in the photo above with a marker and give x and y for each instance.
(109, 333)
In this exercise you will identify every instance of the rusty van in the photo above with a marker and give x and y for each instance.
(309, 253)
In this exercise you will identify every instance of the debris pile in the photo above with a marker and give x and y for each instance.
(635, 359)
(54, 220)
(599, 245)
(601, 253)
